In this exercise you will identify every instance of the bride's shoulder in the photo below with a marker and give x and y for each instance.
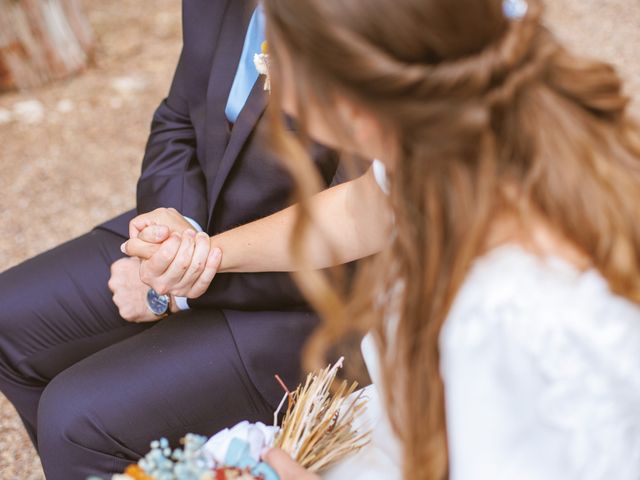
(549, 356)
(528, 298)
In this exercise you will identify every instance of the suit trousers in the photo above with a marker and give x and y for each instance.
(92, 389)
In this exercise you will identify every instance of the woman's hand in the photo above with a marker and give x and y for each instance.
(286, 468)
(182, 265)
(167, 217)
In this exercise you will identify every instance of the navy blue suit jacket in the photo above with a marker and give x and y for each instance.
(223, 177)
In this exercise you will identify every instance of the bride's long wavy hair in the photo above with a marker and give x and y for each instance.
(475, 101)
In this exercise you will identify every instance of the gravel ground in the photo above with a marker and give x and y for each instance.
(70, 155)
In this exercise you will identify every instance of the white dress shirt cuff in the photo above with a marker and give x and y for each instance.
(182, 303)
(193, 223)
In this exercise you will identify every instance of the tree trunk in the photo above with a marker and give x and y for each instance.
(42, 41)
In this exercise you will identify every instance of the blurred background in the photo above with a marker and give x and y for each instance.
(70, 150)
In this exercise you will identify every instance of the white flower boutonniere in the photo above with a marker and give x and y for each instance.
(261, 61)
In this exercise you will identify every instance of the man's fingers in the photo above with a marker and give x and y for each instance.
(197, 266)
(151, 270)
(208, 274)
(138, 224)
(181, 265)
(154, 234)
(178, 267)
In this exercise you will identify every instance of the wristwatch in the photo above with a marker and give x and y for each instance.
(158, 304)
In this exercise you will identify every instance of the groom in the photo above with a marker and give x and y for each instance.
(93, 373)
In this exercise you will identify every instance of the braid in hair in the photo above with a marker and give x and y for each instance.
(476, 102)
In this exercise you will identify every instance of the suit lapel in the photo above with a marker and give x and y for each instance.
(223, 69)
(246, 122)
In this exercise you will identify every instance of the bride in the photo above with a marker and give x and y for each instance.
(503, 296)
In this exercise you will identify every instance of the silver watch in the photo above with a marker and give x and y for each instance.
(158, 304)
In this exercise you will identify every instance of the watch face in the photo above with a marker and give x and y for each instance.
(158, 304)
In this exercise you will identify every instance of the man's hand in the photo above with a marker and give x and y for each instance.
(129, 292)
(183, 265)
(162, 217)
(286, 468)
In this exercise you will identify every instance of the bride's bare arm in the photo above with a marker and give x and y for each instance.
(350, 221)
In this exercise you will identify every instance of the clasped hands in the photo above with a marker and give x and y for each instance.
(174, 258)
(165, 252)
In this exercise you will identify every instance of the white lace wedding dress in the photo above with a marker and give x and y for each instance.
(541, 366)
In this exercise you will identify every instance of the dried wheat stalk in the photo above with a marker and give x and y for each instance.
(318, 428)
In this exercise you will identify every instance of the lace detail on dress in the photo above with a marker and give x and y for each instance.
(541, 365)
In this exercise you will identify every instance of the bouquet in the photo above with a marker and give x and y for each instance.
(317, 431)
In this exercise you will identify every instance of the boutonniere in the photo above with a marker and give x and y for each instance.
(515, 9)
(261, 61)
